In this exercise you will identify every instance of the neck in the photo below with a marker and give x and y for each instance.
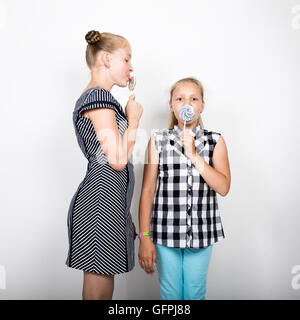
(188, 126)
(100, 78)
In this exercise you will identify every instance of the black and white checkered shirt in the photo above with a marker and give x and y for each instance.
(185, 209)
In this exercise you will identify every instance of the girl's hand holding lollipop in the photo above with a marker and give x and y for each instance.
(187, 113)
(133, 109)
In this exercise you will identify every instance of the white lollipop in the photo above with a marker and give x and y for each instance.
(186, 113)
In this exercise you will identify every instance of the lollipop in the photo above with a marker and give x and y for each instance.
(186, 113)
(131, 83)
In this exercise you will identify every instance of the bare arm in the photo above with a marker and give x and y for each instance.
(116, 148)
(148, 186)
(147, 252)
(217, 177)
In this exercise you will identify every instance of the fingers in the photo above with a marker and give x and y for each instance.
(147, 265)
(142, 264)
(186, 138)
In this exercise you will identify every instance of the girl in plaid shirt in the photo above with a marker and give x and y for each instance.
(178, 216)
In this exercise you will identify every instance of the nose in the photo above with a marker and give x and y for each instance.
(131, 68)
(190, 101)
(186, 102)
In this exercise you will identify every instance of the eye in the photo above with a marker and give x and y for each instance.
(178, 99)
(195, 99)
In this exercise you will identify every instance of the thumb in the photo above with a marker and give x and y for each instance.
(132, 97)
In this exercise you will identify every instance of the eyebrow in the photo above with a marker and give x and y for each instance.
(191, 95)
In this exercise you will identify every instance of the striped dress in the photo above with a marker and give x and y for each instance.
(99, 220)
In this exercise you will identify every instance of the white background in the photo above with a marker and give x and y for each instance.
(246, 53)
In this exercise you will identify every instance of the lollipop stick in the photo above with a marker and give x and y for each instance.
(184, 125)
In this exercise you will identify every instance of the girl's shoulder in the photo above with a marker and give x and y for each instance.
(212, 136)
(96, 94)
(94, 98)
(211, 132)
(161, 132)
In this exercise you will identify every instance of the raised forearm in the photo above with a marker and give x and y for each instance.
(128, 141)
(216, 180)
(124, 147)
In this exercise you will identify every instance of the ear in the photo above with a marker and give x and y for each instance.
(170, 106)
(105, 59)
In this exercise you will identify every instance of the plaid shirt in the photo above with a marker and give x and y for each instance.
(185, 209)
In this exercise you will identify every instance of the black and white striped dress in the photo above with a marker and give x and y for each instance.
(99, 220)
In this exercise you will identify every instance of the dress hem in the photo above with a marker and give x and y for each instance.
(103, 273)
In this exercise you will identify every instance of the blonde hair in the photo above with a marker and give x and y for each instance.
(102, 41)
(173, 120)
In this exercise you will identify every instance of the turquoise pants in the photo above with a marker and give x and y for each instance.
(182, 272)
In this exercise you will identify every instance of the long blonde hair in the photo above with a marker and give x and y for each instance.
(173, 120)
(102, 41)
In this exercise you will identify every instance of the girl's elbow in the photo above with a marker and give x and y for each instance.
(118, 166)
(117, 161)
(223, 194)
(225, 191)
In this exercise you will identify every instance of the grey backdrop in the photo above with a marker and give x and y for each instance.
(246, 53)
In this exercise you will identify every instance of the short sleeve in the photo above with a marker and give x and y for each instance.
(98, 98)
(215, 136)
(160, 136)
(155, 133)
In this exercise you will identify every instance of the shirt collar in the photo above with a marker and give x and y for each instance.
(197, 131)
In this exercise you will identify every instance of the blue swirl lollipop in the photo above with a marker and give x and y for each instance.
(186, 113)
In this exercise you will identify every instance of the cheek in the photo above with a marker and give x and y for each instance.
(119, 68)
(197, 108)
(125, 67)
(176, 110)
(177, 105)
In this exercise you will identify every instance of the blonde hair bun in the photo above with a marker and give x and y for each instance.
(92, 37)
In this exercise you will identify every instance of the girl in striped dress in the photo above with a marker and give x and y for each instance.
(101, 233)
(179, 219)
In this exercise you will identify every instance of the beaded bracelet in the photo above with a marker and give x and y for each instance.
(144, 234)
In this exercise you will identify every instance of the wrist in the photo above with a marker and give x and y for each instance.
(198, 162)
(145, 239)
(133, 123)
(143, 235)
(192, 155)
